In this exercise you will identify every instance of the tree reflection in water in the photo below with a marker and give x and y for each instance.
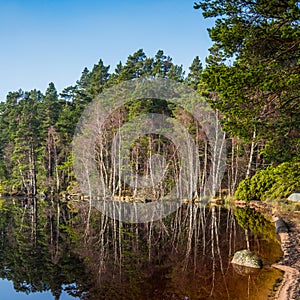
(184, 256)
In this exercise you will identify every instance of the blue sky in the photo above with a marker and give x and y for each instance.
(43, 41)
(7, 292)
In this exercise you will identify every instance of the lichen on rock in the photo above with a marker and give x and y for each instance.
(247, 258)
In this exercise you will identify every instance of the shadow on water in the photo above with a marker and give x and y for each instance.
(51, 248)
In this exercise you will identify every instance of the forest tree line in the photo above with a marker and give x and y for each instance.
(37, 128)
(251, 79)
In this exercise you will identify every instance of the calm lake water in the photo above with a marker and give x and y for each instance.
(50, 251)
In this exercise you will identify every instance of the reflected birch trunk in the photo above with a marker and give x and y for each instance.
(87, 228)
(190, 232)
(215, 246)
(120, 247)
(203, 226)
(150, 227)
(231, 232)
(115, 237)
(56, 257)
(213, 250)
(196, 235)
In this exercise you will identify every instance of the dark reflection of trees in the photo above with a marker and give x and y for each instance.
(34, 256)
(187, 254)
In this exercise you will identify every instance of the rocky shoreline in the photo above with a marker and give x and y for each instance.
(290, 264)
(289, 288)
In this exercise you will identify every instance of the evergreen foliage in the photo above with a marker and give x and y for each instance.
(260, 112)
(36, 129)
(273, 183)
(252, 73)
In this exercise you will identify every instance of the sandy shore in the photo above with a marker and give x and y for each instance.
(289, 288)
(290, 264)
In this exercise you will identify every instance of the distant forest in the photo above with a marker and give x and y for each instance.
(251, 79)
(37, 128)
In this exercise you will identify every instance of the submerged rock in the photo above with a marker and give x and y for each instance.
(247, 259)
(245, 271)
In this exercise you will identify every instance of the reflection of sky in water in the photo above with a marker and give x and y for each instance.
(7, 292)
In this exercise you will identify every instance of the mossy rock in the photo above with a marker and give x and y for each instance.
(247, 259)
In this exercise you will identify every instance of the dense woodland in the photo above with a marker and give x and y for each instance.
(251, 79)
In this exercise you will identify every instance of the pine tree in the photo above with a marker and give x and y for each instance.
(50, 107)
(9, 117)
(254, 69)
(97, 79)
(50, 143)
(195, 75)
(26, 144)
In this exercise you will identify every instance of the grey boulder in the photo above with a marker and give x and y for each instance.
(294, 197)
(281, 226)
(247, 259)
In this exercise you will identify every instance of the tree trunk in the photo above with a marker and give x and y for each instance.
(251, 154)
